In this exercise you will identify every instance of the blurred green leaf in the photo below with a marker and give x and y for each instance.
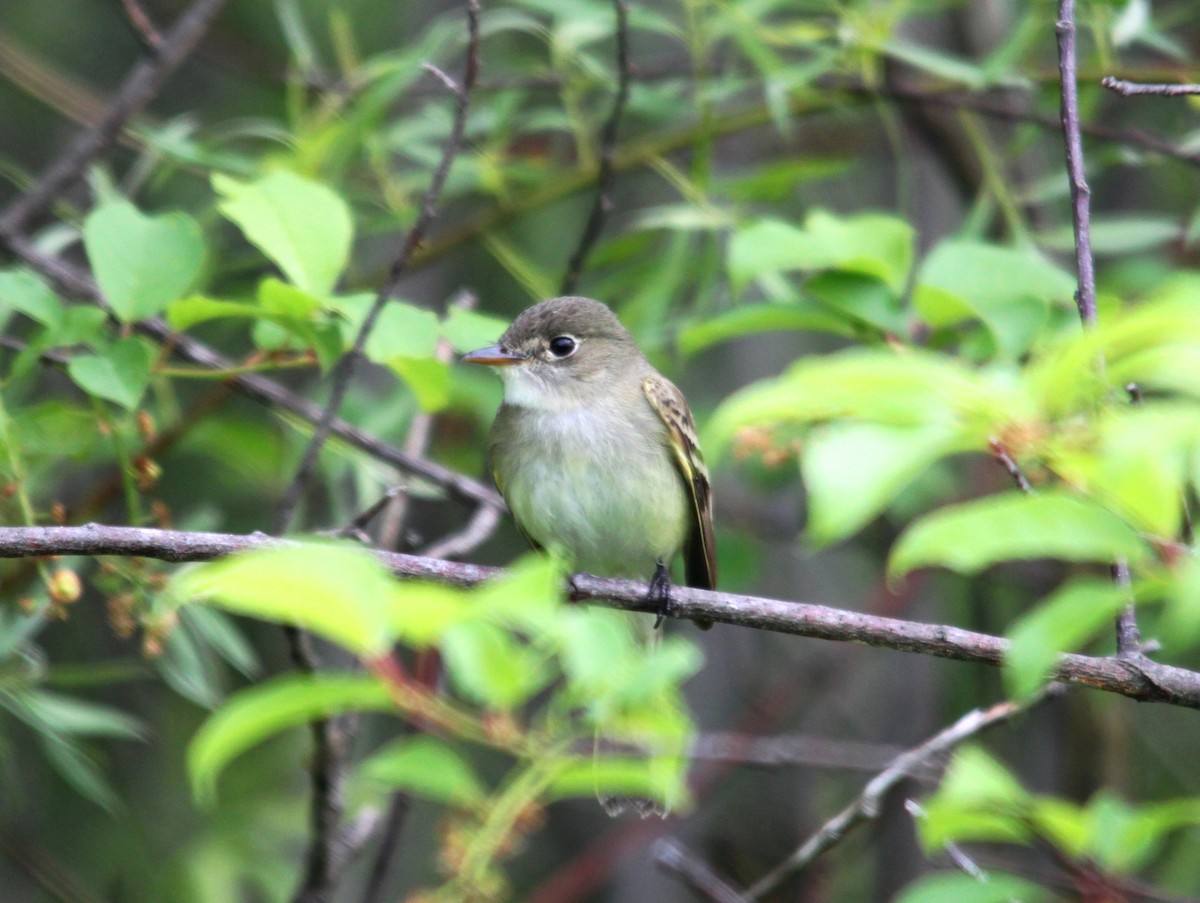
(956, 887)
(467, 330)
(251, 716)
(120, 374)
(492, 667)
(750, 319)
(1008, 289)
(870, 243)
(301, 225)
(338, 591)
(24, 292)
(142, 263)
(852, 471)
(425, 767)
(1014, 525)
(1060, 623)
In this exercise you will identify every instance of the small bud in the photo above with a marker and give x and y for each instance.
(8, 490)
(65, 586)
(148, 472)
(58, 513)
(161, 514)
(146, 427)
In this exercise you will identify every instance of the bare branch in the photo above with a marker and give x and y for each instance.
(1142, 680)
(1128, 635)
(416, 235)
(482, 524)
(672, 856)
(866, 807)
(76, 283)
(139, 88)
(605, 176)
(1005, 459)
(143, 27)
(1085, 295)
(1131, 89)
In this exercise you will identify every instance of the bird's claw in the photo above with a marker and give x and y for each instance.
(660, 593)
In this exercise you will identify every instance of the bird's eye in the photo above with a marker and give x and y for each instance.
(562, 346)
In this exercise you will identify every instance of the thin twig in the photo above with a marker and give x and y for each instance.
(1085, 295)
(327, 769)
(1005, 459)
(867, 806)
(75, 283)
(139, 88)
(416, 235)
(416, 444)
(605, 175)
(482, 525)
(672, 856)
(1130, 89)
(780, 750)
(142, 25)
(1146, 681)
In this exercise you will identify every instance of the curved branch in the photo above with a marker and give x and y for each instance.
(139, 88)
(1142, 680)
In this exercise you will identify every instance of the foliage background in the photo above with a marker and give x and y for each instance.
(738, 112)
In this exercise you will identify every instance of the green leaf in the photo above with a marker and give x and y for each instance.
(338, 591)
(428, 378)
(1061, 623)
(301, 225)
(852, 471)
(23, 291)
(120, 374)
(605, 775)
(872, 244)
(142, 263)
(750, 319)
(969, 537)
(78, 717)
(956, 887)
(467, 330)
(1141, 834)
(426, 767)
(863, 299)
(907, 389)
(490, 666)
(187, 312)
(251, 716)
(1008, 289)
(1117, 234)
(979, 799)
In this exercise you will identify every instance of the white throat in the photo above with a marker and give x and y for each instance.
(523, 389)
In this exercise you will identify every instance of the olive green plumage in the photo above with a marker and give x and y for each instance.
(594, 450)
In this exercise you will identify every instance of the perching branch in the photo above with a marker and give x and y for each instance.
(1145, 680)
(605, 175)
(1131, 89)
(866, 807)
(139, 88)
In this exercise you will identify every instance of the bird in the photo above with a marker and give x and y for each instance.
(595, 451)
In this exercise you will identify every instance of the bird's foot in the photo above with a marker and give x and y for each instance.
(660, 593)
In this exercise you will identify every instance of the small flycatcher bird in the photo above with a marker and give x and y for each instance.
(595, 451)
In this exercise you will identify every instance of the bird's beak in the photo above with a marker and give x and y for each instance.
(493, 355)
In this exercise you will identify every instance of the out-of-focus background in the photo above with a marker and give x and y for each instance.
(942, 115)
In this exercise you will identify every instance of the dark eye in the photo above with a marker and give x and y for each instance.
(562, 346)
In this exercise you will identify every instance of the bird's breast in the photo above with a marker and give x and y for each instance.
(602, 488)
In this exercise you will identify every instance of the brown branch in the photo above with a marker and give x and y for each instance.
(75, 283)
(1085, 295)
(672, 856)
(868, 803)
(1128, 635)
(1144, 681)
(1005, 459)
(139, 88)
(1131, 89)
(416, 235)
(142, 25)
(605, 176)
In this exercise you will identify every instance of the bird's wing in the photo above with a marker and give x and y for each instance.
(700, 550)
